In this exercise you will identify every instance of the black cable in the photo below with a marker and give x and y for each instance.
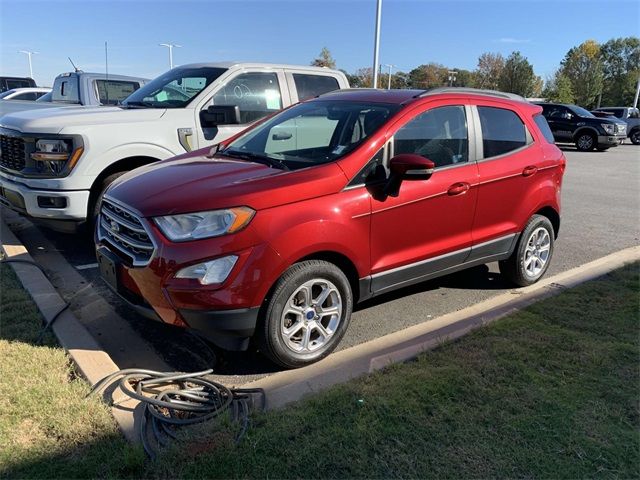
(174, 399)
(66, 305)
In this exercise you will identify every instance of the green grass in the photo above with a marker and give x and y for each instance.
(550, 392)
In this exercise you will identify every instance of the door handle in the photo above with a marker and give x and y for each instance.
(530, 170)
(458, 188)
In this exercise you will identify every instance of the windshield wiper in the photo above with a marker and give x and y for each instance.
(255, 157)
(137, 104)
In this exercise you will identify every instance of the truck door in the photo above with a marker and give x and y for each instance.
(256, 93)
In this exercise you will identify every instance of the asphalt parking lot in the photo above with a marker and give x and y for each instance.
(601, 215)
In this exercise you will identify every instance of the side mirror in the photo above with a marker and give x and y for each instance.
(407, 166)
(220, 115)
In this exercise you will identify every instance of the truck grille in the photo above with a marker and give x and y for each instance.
(12, 152)
(124, 231)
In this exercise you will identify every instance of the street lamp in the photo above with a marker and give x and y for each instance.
(390, 67)
(376, 45)
(452, 77)
(170, 46)
(29, 54)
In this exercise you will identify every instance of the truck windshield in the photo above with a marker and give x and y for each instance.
(174, 89)
(311, 133)
(581, 112)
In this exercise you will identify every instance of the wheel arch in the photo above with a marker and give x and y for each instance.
(586, 128)
(553, 216)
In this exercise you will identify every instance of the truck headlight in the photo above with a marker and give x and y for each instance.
(53, 156)
(207, 273)
(609, 128)
(193, 226)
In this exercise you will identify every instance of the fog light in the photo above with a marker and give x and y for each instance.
(52, 202)
(213, 271)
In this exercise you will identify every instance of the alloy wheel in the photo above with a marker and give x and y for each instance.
(536, 253)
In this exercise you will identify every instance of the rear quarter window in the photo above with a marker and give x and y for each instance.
(543, 126)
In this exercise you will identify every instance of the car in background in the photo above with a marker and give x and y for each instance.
(79, 88)
(622, 126)
(55, 163)
(30, 94)
(9, 83)
(629, 115)
(574, 124)
(279, 231)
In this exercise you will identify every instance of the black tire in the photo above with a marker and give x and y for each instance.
(514, 267)
(634, 136)
(586, 141)
(271, 337)
(96, 198)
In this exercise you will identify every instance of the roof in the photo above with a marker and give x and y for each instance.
(403, 96)
(30, 89)
(254, 65)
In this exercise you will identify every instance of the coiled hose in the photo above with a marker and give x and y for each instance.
(174, 399)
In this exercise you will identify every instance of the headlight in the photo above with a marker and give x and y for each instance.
(609, 128)
(214, 271)
(192, 226)
(54, 156)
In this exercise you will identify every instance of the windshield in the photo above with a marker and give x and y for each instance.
(174, 89)
(581, 112)
(312, 133)
(7, 93)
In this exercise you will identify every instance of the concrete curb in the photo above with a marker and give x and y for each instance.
(289, 386)
(92, 362)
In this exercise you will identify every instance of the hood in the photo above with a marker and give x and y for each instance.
(199, 183)
(53, 120)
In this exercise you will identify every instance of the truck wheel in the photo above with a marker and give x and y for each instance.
(585, 142)
(531, 258)
(307, 314)
(635, 137)
(95, 199)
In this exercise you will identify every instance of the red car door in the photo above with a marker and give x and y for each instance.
(510, 172)
(427, 227)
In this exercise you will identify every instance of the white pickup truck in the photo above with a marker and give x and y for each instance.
(56, 163)
(79, 88)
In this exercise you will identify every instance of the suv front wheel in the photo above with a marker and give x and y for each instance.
(585, 142)
(307, 314)
(530, 260)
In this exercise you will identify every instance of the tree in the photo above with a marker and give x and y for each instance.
(558, 89)
(582, 65)
(325, 59)
(621, 68)
(487, 75)
(517, 76)
(427, 76)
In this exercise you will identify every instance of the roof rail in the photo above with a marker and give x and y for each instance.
(473, 91)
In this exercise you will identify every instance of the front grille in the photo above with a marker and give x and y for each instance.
(12, 154)
(124, 231)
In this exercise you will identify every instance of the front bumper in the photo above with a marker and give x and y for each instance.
(609, 140)
(24, 199)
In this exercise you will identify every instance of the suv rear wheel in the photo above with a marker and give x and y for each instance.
(307, 314)
(585, 142)
(530, 260)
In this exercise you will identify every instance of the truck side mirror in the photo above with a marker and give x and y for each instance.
(220, 115)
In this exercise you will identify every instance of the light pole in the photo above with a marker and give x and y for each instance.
(635, 99)
(29, 54)
(170, 46)
(376, 45)
(390, 67)
(452, 77)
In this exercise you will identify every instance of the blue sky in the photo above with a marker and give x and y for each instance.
(453, 32)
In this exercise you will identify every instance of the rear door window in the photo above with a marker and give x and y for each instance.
(309, 86)
(542, 124)
(503, 131)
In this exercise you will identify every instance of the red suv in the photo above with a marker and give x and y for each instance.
(276, 233)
